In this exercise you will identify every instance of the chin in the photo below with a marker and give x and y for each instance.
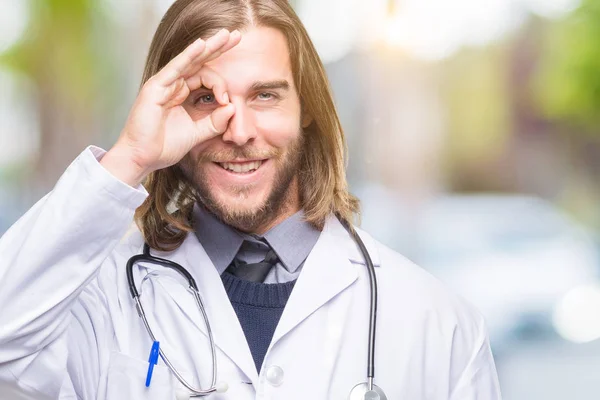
(247, 204)
(241, 210)
(240, 200)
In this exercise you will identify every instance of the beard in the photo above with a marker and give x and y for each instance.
(284, 186)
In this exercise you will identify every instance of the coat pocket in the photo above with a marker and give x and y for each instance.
(127, 380)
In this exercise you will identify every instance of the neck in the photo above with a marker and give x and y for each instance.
(282, 216)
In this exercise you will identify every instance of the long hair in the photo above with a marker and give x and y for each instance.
(165, 217)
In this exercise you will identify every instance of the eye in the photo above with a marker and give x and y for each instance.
(205, 99)
(266, 96)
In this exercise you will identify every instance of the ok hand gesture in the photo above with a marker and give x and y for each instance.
(159, 131)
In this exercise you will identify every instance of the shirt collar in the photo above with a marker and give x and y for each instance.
(292, 239)
(220, 241)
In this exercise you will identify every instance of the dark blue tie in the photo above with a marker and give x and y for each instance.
(253, 272)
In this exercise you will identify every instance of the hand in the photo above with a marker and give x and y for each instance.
(159, 131)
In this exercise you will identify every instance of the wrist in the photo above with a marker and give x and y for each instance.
(122, 165)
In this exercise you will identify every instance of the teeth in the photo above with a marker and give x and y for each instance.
(241, 167)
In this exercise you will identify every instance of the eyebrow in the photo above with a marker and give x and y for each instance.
(270, 85)
(259, 85)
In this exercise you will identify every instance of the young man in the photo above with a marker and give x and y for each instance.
(236, 137)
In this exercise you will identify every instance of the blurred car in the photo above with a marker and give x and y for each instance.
(514, 257)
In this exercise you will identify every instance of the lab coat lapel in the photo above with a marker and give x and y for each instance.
(326, 273)
(226, 329)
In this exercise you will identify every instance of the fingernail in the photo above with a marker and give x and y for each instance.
(226, 97)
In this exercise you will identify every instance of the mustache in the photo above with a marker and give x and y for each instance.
(245, 152)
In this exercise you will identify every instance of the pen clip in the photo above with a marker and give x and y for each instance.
(152, 361)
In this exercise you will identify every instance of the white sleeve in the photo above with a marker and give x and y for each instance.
(47, 258)
(478, 379)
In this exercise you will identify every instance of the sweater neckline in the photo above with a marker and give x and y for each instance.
(268, 295)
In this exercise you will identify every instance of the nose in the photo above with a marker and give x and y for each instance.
(242, 126)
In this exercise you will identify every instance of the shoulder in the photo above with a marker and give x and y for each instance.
(131, 243)
(417, 291)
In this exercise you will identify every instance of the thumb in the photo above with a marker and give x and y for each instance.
(215, 123)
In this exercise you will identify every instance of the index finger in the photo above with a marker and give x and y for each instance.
(178, 66)
(211, 53)
(172, 71)
(210, 80)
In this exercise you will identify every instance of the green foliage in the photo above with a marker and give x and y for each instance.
(568, 84)
(475, 91)
(59, 46)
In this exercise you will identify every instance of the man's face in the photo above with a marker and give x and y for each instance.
(247, 176)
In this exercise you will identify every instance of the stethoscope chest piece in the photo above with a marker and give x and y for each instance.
(362, 392)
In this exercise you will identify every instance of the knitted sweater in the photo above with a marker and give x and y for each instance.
(259, 307)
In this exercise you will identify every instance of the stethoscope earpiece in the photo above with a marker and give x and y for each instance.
(184, 394)
(221, 387)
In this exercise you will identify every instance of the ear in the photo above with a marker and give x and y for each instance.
(306, 120)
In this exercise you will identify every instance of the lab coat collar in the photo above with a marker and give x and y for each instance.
(344, 239)
(226, 329)
(327, 272)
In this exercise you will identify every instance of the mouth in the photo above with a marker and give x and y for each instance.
(246, 167)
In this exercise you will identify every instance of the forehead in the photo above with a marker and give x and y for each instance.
(261, 55)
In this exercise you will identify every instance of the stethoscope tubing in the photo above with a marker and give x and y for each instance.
(145, 256)
(372, 306)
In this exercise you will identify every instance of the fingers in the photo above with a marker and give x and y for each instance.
(216, 123)
(211, 80)
(191, 59)
(170, 87)
(234, 39)
(175, 68)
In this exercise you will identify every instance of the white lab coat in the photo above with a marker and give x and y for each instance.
(69, 329)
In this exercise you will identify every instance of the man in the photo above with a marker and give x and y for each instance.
(241, 151)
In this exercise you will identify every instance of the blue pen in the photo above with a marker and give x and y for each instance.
(152, 360)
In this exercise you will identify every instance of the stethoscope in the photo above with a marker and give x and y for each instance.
(362, 391)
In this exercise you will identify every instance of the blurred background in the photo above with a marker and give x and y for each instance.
(474, 139)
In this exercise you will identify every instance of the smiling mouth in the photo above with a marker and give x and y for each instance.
(241, 167)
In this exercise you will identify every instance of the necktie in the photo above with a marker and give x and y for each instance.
(253, 272)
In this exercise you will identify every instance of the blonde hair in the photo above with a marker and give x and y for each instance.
(165, 216)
